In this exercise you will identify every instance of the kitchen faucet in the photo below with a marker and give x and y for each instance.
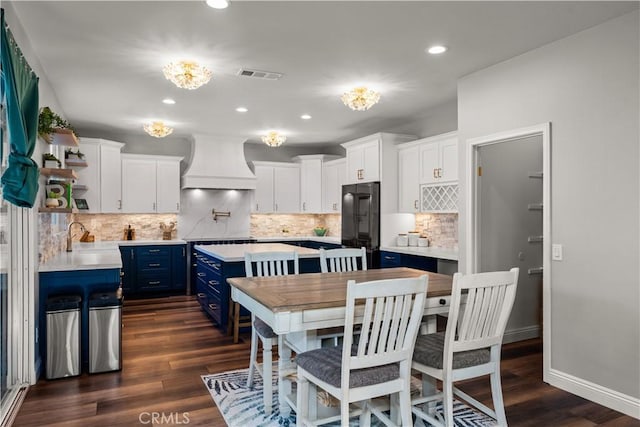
(69, 236)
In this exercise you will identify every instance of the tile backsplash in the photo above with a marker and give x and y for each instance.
(111, 226)
(52, 238)
(441, 229)
(270, 225)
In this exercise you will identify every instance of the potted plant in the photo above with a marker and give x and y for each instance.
(48, 122)
(52, 200)
(70, 154)
(50, 161)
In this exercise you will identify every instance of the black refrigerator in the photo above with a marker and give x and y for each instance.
(361, 219)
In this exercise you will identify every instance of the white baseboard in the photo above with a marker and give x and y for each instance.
(521, 334)
(615, 400)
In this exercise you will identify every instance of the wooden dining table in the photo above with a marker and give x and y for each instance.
(296, 307)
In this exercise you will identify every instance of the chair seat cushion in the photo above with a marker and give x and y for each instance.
(326, 365)
(430, 348)
(263, 329)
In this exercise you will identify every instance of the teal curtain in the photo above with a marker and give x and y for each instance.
(19, 89)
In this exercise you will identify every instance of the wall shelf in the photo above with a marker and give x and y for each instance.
(62, 136)
(79, 188)
(56, 210)
(59, 173)
(76, 162)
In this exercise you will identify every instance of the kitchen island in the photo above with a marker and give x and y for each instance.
(216, 263)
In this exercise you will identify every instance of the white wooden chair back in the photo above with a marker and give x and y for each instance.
(481, 322)
(392, 315)
(342, 260)
(270, 263)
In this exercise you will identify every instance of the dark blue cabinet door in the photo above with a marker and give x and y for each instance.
(390, 260)
(420, 262)
(179, 267)
(127, 253)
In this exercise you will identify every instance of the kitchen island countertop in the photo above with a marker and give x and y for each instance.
(233, 253)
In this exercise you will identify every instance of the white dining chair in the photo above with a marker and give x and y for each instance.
(342, 260)
(259, 265)
(339, 261)
(379, 364)
(470, 346)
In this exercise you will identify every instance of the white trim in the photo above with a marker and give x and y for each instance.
(521, 334)
(471, 220)
(620, 402)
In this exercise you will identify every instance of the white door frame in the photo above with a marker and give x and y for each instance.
(472, 217)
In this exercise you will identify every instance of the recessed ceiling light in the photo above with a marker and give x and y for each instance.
(242, 109)
(305, 117)
(168, 101)
(435, 50)
(218, 4)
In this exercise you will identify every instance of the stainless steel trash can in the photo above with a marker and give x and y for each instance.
(105, 332)
(63, 336)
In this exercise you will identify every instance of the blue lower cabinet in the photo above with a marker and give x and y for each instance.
(79, 282)
(211, 287)
(393, 259)
(153, 269)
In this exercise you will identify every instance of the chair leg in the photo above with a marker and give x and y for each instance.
(267, 378)
(496, 392)
(404, 398)
(302, 400)
(447, 403)
(253, 358)
(365, 416)
(236, 322)
(344, 411)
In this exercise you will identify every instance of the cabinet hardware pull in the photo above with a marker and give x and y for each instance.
(214, 282)
(132, 255)
(439, 172)
(213, 306)
(304, 206)
(119, 204)
(155, 282)
(389, 257)
(184, 253)
(434, 173)
(194, 265)
(201, 274)
(154, 206)
(154, 250)
(177, 206)
(415, 204)
(257, 208)
(276, 207)
(201, 295)
(154, 264)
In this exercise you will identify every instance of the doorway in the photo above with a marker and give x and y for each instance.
(508, 221)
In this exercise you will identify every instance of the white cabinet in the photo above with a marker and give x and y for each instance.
(150, 184)
(333, 178)
(277, 187)
(310, 184)
(363, 161)
(439, 159)
(409, 179)
(100, 183)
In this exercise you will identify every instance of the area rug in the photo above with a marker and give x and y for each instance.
(243, 407)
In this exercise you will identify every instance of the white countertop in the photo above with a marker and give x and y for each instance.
(321, 239)
(232, 253)
(101, 255)
(100, 259)
(442, 253)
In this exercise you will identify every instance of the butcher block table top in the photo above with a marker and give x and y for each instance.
(324, 290)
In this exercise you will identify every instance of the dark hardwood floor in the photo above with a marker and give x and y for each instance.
(169, 343)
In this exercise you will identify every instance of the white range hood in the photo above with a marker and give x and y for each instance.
(218, 163)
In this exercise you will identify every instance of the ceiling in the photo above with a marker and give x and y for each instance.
(104, 59)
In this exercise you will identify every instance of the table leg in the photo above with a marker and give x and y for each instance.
(284, 386)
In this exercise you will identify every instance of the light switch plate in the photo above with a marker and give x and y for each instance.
(556, 252)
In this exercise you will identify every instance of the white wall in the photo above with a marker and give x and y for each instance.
(587, 86)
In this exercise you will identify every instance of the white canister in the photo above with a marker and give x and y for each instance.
(423, 242)
(402, 240)
(413, 238)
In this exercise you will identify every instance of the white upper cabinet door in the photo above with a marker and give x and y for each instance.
(333, 177)
(429, 163)
(371, 156)
(286, 189)
(449, 160)
(110, 178)
(409, 179)
(311, 186)
(355, 164)
(264, 189)
(167, 186)
(138, 185)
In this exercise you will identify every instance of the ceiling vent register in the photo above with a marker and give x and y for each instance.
(266, 75)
